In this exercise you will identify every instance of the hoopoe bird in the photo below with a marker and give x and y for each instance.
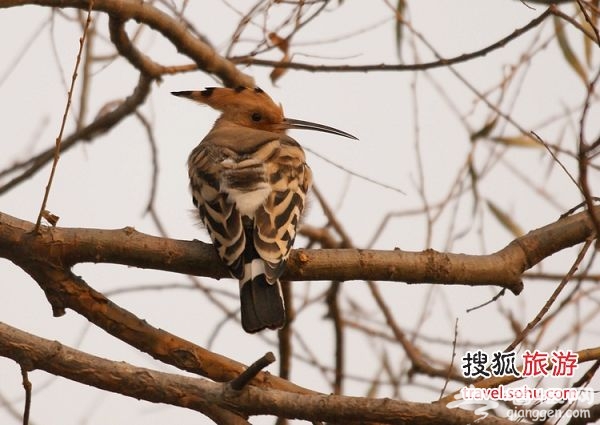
(249, 182)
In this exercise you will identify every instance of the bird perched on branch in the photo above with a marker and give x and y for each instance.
(249, 181)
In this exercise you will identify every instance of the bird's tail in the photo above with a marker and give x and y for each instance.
(261, 301)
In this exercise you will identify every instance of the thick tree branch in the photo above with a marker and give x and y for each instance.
(48, 256)
(205, 57)
(65, 290)
(33, 352)
(216, 399)
(69, 246)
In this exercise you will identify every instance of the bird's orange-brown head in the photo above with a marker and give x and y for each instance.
(252, 108)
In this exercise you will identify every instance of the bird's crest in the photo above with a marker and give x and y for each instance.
(252, 108)
(242, 105)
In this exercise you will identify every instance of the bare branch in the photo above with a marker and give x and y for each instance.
(27, 387)
(65, 290)
(56, 154)
(215, 399)
(397, 67)
(69, 246)
(126, 48)
(118, 377)
(176, 32)
(250, 373)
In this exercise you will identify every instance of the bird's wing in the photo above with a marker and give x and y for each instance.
(276, 220)
(222, 220)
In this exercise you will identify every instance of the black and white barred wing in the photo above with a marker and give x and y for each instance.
(276, 220)
(222, 220)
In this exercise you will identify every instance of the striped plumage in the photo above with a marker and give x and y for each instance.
(251, 200)
(249, 181)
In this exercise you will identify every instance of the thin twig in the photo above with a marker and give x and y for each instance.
(576, 207)
(550, 300)
(589, 20)
(558, 161)
(418, 360)
(451, 360)
(583, 159)
(335, 315)
(493, 299)
(285, 334)
(64, 119)
(354, 173)
(27, 387)
(558, 13)
(86, 75)
(155, 167)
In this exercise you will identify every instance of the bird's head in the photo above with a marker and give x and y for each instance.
(252, 108)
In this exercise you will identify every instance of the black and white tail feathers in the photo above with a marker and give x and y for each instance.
(261, 302)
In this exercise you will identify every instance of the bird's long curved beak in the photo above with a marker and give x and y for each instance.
(307, 125)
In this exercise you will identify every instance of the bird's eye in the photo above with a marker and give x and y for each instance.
(256, 117)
